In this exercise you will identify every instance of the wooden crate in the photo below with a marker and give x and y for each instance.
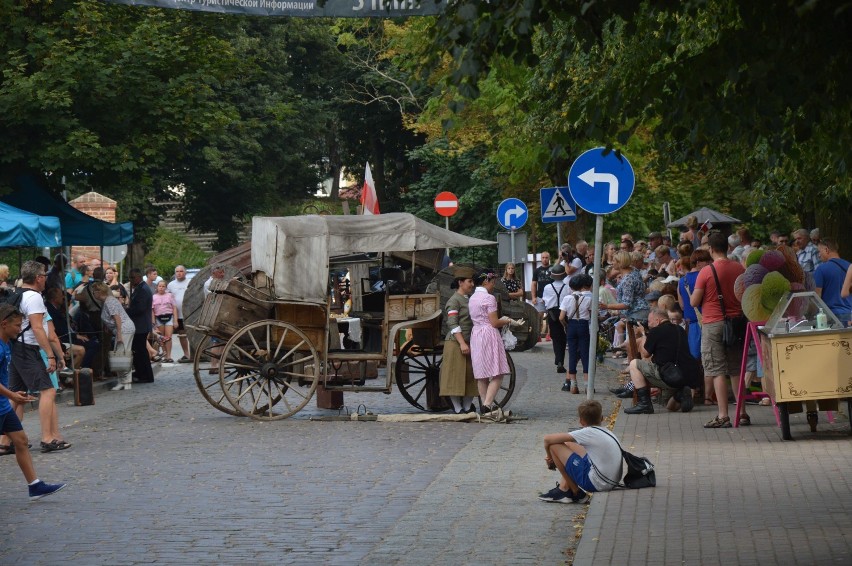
(411, 307)
(310, 319)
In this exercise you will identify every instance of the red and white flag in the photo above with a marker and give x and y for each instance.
(369, 200)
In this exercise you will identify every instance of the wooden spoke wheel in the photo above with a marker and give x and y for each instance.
(206, 372)
(417, 372)
(269, 370)
(507, 386)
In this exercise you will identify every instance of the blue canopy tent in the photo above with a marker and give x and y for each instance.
(21, 228)
(78, 228)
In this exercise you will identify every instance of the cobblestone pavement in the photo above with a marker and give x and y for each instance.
(728, 496)
(156, 475)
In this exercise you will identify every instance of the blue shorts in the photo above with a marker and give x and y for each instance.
(9, 422)
(578, 469)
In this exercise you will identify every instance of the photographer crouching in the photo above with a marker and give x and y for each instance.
(666, 363)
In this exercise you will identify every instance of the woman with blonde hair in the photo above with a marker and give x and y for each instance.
(4, 275)
(630, 293)
(513, 285)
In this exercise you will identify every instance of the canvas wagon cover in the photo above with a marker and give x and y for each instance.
(294, 250)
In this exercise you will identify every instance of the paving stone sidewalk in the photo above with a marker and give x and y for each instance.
(728, 496)
(159, 476)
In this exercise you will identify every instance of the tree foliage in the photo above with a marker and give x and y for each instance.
(752, 95)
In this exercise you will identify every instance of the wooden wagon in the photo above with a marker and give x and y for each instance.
(270, 341)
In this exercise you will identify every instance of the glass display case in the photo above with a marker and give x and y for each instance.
(807, 357)
(801, 312)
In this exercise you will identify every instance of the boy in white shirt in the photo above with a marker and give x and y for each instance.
(588, 459)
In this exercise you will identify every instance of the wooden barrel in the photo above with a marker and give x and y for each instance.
(193, 300)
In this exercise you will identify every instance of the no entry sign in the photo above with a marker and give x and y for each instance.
(446, 203)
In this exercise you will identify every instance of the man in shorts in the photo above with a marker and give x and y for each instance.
(588, 459)
(665, 342)
(719, 362)
(27, 371)
(10, 425)
(178, 288)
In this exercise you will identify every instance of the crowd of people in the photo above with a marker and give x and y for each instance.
(674, 300)
(58, 318)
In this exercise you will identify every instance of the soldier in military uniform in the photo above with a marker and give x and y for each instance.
(456, 380)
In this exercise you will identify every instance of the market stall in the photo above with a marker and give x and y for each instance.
(807, 358)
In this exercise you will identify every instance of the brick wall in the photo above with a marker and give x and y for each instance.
(98, 206)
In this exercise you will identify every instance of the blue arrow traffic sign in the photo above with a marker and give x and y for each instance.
(512, 213)
(557, 205)
(601, 184)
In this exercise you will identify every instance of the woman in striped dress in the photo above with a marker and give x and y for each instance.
(486, 345)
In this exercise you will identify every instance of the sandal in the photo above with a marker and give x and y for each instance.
(157, 358)
(10, 449)
(719, 423)
(169, 361)
(745, 420)
(709, 401)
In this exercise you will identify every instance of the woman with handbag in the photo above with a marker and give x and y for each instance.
(164, 308)
(488, 356)
(116, 319)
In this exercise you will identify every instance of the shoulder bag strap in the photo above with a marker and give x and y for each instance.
(91, 296)
(602, 476)
(719, 291)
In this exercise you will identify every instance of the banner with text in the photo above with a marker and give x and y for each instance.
(304, 9)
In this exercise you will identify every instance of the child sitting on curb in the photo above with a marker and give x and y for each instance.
(584, 458)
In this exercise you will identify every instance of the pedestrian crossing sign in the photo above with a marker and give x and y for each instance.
(557, 205)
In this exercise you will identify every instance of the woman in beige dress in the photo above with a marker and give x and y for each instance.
(456, 378)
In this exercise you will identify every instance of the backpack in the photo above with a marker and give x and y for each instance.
(640, 470)
(14, 298)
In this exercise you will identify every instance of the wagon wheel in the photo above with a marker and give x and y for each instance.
(417, 375)
(264, 376)
(507, 386)
(206, 372)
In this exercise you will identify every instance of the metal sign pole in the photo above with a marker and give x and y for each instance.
(512, 243)
(558, 241)
(447, 226)
(593, 328)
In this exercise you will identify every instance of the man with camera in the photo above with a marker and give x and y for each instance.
(662, 344)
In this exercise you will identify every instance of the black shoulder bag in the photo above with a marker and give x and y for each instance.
(671, 372)
(640, 470)
(733, 333)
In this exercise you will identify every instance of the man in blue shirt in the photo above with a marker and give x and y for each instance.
(829, 276)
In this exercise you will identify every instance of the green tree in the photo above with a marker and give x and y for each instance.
(106, 96)
(752, 94)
